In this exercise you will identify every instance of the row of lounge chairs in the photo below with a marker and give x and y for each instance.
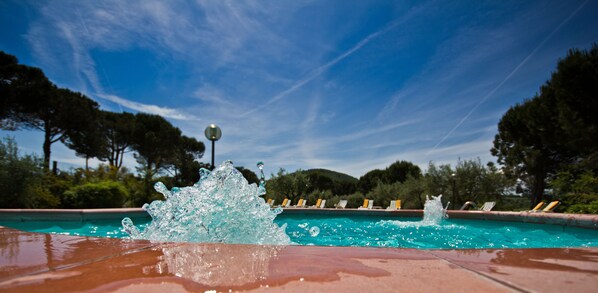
(489, 205)
(548, 209)
(302, 203)
(368, 204)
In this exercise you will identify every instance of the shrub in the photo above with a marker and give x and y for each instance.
(580, 208)
(21, 179)
(105, 194)
(355, 200)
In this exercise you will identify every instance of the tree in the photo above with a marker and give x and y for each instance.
(554, 130)
(188, 151)
(153, 140)
(20, 86)
(399, 171)
(87, 139)
(118, 130)
(370, 179)
(249, 175)
(29, 100)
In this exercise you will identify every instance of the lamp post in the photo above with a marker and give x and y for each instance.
(213, 133)
(453, 176)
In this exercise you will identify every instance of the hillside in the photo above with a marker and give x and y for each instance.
(335, 176)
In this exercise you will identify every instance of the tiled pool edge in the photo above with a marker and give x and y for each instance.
(573, 220)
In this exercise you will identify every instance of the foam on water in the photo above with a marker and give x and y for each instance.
(220, 207)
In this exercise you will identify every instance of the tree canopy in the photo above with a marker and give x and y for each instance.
(556, 129)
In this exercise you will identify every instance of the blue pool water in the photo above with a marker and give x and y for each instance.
(375, 232)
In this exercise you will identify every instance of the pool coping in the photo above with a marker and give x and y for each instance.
(573, 220)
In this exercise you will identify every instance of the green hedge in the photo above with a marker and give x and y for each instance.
(105, 194)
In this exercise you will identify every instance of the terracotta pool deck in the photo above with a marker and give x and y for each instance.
(34, 262)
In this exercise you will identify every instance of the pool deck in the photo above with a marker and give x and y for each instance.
(35, 262)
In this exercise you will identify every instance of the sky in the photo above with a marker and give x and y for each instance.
(344, 85)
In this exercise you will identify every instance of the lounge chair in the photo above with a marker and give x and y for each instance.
(538, 207)
(394, 205)
(367, 204)
(303, 203)
(341, 204)
(318, 203)
(488, 206)
(285, 203)
(323, 204)
(551, 206)
(300, 203)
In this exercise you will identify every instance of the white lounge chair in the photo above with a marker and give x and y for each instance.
(323, 204)
(341, 204)
(488, 206)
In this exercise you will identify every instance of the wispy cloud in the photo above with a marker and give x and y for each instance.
(313, 74)
(304, 84)
(151, 109)
(508, 77)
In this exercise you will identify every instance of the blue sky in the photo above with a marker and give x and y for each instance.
(344, 85)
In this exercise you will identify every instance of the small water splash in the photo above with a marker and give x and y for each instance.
(434, 212)
(220, 207)
(314, 231)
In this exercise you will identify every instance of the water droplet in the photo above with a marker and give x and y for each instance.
(262, 186)
(314, 231)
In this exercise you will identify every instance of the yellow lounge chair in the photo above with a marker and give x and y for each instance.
(551, 206)
(318, 203)
(538, 207)
(285, 203)
(394, 205)
(367, 204)
(300, 203)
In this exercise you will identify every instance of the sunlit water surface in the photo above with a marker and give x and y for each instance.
(376, 232)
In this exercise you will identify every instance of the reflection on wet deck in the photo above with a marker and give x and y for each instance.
(32, 262)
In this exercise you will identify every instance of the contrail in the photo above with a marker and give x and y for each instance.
(97, 87)
(510, 75)
(318, 71)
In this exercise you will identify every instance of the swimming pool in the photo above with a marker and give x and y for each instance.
(375, 230)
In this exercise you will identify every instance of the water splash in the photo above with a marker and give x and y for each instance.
(220, 207)
(434, 212)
